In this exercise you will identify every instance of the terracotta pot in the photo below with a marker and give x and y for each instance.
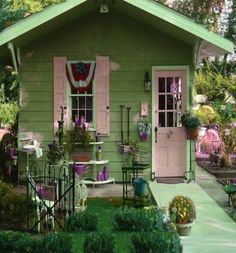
(192, 133)
(81, 157)
(184, 229)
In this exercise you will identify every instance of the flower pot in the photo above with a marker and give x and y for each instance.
(184, 229)
(81, 157)
(144, 137)
(125, 148)
(140, 187)
(192, 133)
(79, 169)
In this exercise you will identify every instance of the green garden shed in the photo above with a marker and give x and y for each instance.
(137, 53)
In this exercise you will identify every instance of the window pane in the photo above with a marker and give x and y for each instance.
(89, 102)
(161, 81)
(169, 84)
(162, 102)
(169, 119)
(169, 102)
(81, 102)
(161, 119)
(89, 116)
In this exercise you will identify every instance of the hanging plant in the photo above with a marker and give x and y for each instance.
(144, 128)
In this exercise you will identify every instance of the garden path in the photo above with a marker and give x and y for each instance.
(214, 231)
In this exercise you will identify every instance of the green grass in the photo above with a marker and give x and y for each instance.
(105, 208)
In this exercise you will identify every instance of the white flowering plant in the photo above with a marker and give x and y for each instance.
(144, 127)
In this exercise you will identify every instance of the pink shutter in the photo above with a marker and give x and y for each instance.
(102, 95)
(60, 96)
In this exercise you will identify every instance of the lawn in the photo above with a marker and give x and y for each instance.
(105, 208)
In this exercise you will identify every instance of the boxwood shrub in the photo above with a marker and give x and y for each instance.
(16, 242)
(83, 221)
(133, 219)
(99, 242)
(155, 241)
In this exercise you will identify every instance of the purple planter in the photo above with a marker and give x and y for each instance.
(11, 152)
(79, 169)
(50, 146)
(100, 176)
(144, 137)
(105, 173)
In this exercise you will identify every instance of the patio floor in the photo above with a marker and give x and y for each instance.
(213, 231)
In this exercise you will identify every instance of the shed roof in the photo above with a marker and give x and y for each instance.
(153, 13)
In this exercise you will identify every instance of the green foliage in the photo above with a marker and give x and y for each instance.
(8, 114)
(13, 207)
(216, 80)
(83, 221)
(206, 114)
(133, 219)
(155, 241)
(9, 82)
(190, 121)
(15, 242)
(99, 242)
(33, 6)
(200, 11)
(56, 153)
(8, 15)
(226, 113)
(58, 243)
(80, 135)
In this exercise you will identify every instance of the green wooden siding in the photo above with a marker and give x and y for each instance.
(132, 47)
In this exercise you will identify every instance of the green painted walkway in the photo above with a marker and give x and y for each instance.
(213, 231)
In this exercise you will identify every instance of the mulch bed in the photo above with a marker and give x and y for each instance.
(223, 175)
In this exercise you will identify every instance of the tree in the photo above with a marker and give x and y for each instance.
(8, 15)
(205, 12)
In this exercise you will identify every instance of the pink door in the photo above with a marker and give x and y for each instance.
(169, 103)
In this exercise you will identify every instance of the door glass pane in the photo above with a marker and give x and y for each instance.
(169, 102)
(178, 83)
(178, 119)
(177, 102)
(170, 119)
(169, 83)
(161, 81)
(161, 119)
(162, 102)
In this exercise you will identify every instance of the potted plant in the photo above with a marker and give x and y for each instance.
(182, 213)
(76, 138)
(144, 128)
(191, 123)
(128, 145)
(56, 153)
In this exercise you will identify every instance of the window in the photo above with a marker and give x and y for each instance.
(81, 105)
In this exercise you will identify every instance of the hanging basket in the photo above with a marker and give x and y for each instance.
(192, 133)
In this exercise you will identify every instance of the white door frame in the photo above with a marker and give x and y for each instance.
(187, 95)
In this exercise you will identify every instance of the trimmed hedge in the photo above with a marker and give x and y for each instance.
(99, 242)
(155, 241)
(138, 220)
(83, 221)
(16, 242)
